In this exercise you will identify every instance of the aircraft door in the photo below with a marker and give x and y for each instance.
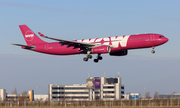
(46, 46)
(152, 37)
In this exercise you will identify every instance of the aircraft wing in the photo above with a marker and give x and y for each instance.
(25, 46)
(72, 43)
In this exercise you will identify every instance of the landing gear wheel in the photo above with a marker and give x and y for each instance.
(96, 60)
(89, 56)
(100, 58)
(153, 51)
(85, 59)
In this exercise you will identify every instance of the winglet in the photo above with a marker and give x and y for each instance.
(40, 34)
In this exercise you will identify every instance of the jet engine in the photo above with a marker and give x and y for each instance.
(101, 49)
(119, 53)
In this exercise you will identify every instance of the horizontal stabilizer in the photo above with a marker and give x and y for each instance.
(25, 46)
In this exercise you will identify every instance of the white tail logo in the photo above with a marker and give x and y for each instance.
(29, 35)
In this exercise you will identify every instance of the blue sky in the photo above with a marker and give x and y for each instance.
(81, 19)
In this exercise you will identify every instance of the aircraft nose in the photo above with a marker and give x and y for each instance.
(165, 40)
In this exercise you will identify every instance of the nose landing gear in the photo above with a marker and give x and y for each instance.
(99, 57)
(153, 50)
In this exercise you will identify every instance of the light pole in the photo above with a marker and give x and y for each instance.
(144, 91)
(144, 95)
(172, 96)
(178, 101)
(38, 89)
(135, 99)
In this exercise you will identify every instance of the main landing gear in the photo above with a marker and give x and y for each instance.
(99, 57)
(88, 56)
(153, 50)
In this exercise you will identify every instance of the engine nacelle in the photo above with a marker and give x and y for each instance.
(101, 49)
(119, 53)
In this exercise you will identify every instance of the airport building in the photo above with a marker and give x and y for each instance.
(4, 96)
(169, 96)
(60, 92)
(131, 96)
(40, 97)
(96, 88)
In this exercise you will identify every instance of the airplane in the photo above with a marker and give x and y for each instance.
(115, 46)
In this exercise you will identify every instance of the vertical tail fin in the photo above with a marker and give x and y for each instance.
(30, 37)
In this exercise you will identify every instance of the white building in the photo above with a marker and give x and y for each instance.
(2, 94)
(111, 88)
(131, 96)
(101, 88)
(169, 96)
(41, 97)
(75, 92)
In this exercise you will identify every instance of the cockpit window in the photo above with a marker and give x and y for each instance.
(161, 36)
